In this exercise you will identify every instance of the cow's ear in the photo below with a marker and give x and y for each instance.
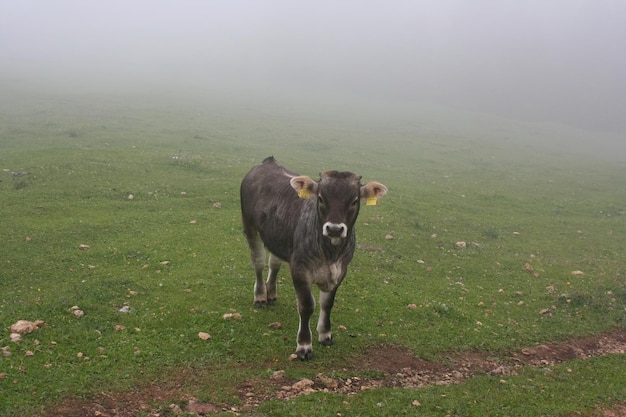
(304, 186)
(371, 192)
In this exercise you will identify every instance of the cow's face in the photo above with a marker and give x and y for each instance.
(339, 195)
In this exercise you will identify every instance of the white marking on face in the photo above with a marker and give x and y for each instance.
(329, 229)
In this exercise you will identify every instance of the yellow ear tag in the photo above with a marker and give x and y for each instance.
(304, 193)
(371, 201)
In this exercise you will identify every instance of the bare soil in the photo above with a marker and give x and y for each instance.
(398, 367)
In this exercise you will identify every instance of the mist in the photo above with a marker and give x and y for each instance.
(558, 62)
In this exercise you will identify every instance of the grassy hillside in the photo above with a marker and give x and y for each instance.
(533, 204)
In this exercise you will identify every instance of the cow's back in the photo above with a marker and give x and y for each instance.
(270, 206)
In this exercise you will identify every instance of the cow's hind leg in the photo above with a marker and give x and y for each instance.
(327, 299)
(274, 264)
(257, 255)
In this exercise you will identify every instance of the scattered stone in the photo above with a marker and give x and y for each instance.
(176, 409)
(389, 236)
(236, 316)
(217, 205)
(78, 313)
(412, 306)
(25, 326)
(293, 357)
(416, 403)
(130, 197)
(578, 273)
(277, 375)
(204, 336)
(528, 267)
(461, 245)
(275, 326)
(327, 382)
(302, 385)
(84, 247)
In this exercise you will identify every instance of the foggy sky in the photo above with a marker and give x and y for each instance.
(561, 61)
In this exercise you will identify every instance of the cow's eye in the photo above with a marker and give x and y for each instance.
(355, 202)
(321, 200)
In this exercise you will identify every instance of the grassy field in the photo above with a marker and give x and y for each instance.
(532, 203)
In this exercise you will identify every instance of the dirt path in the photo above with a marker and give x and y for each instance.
(400, 368)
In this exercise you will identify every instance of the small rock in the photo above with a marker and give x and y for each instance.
(389, 236)
(412, 306)
(78, 313)
(277, 375)
(236, 316)
(303, 384)
(416, 403)
(29, 353)
(130, 196)
(578, 273)
(204, 336)
(275, 326)
(176, 409)
(25, 326)
(84, 247)
(461, 245)
(293, 357)
(528, 267)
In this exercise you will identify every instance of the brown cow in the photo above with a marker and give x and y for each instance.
(309, 224)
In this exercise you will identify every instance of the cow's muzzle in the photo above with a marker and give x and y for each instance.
(335, 231)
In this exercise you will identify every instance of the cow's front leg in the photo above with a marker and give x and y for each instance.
(306, 306)
(327, 299)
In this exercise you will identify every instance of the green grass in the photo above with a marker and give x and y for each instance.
(81, 157)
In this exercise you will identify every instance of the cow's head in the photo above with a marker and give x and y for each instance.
(338, 195)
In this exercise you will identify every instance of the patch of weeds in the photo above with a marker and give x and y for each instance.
(492, 233)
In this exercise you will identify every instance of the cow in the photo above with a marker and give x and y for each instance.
(310, 225)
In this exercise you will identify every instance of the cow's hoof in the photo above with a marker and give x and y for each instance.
(271, 302)
(305, 354)
(260, 304)
(327, 342)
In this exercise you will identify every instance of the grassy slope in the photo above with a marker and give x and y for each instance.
(512, 199)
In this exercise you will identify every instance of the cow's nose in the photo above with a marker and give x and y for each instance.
(335, 230)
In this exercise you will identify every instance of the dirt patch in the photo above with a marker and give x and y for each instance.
(398, 367)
